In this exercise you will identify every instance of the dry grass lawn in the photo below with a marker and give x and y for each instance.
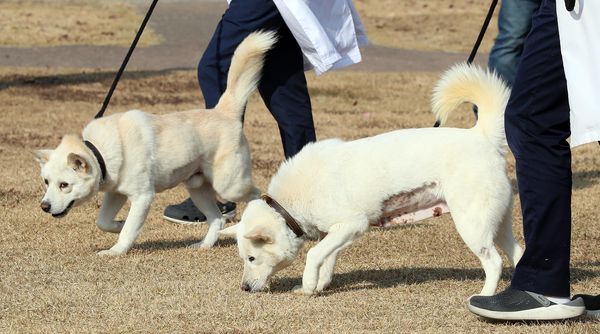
(414, 278)
(436, 25)
(68, 22)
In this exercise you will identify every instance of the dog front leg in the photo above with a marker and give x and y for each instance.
(111, 205)
(340, 236)
(326, 270)
(140, 206)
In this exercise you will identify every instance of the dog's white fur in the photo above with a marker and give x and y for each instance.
(339, 188)
(146, 154)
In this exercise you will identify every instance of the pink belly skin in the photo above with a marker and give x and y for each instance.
(410, 207)
(413, 217)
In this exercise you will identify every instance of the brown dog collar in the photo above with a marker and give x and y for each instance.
(289, 220)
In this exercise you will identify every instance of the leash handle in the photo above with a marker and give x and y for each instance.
(126, 60)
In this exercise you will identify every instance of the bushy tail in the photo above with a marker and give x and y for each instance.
(485, 89)
(245, 72)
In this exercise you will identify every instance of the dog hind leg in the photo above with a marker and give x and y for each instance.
(477, 231)
(111, 205)
(232, 176)
(505, 239)
(204, 199)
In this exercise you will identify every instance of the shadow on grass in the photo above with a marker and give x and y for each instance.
(177, 244)
(573, 321)
(19, 80)
(389, 278)
(593, 263)
(582, 180)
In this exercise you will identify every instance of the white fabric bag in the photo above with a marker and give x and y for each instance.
(579, 33)
(328, 32)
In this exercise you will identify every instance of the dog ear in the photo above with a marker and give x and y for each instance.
(231, 231)
(78, 163)
(260, 233)
(41, 156)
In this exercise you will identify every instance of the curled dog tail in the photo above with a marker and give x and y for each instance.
(245, 72)
(485, 89)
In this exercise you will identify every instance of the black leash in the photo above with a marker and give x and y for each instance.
(126, 60)
(486, 23)
(484, 27)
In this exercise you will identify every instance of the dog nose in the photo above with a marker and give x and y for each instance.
(45, 206)
(245, 287)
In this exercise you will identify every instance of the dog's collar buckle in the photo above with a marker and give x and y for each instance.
(99, 158)
(289, 220)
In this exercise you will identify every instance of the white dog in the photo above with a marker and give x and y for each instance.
(340, 188)
(134, 155)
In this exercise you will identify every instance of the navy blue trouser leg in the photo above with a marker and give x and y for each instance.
(283, 85)
(537, 128)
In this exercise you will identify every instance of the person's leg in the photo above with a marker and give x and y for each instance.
(537, 128)
(514, 23)
(285, 93)
(283, 85)
(241, 18)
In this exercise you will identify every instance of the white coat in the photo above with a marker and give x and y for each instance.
(579, 33)
(329, 32)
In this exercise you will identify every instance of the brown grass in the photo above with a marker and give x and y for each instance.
(68, 22)
(436, 25)
(415, 278)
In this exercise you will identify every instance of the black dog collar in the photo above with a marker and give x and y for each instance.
(98, 158)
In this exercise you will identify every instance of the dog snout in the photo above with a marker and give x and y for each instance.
(245, 287)
(45, 206)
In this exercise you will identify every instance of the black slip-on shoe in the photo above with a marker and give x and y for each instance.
(512, 304)
(187, 213)
(592, 305)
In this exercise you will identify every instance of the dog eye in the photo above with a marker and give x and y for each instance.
(251, 258)
(63, 185)
(46, 181)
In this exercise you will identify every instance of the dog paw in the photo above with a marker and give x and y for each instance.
(200, 245)
(299, 290)
(110, 252)
(321, 287)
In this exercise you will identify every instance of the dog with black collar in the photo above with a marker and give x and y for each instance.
(134, 155)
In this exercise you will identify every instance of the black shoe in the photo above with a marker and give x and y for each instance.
(512, 304)
(187, 213)
(592, 305)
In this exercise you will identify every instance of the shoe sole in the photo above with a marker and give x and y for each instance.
(593, 314)
(227, 215)
(552, 312)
